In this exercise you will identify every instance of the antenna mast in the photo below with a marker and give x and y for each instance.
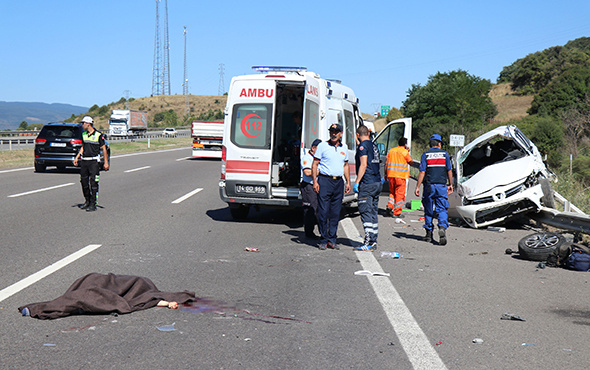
(221, 88)
(156, 72)
(185, 80)
(166, 55)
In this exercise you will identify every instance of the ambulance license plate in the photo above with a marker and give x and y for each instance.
(250, 189)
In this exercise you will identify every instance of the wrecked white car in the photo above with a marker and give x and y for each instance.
(501, 174)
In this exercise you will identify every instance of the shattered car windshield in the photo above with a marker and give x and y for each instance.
(498, 149)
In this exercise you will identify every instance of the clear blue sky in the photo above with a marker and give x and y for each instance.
(91, 52)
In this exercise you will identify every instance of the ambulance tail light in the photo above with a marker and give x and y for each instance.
(223, 161)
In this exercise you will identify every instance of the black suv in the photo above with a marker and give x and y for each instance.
(57, 144)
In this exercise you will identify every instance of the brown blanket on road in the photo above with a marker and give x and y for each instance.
(103, 294)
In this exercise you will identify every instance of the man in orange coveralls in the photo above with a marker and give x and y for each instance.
(397, 172)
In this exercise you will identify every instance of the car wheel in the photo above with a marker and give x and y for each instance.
(547, 200)
(40, 167)
(538, 246)
(239, 211)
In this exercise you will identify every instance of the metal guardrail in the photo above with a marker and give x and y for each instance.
(27, 142)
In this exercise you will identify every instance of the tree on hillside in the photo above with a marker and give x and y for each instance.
(450, 103)
(394, 114)
(567, 90)
(576, 123)
(23, 125)
(531, 74)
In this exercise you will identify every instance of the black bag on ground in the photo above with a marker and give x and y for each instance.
(579, 260)
(560, 256)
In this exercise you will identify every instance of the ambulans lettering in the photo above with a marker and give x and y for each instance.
(251, 125)
(313, 90)
(256, 93)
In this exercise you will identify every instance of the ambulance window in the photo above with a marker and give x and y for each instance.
(389, 137)
(350, 131)
(312, 119)
(251, 125)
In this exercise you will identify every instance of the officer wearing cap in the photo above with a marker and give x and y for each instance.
(435, 171)
(329, 165)
(89, 157)
(308, 195)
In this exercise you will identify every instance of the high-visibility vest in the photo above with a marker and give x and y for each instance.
(397, 163)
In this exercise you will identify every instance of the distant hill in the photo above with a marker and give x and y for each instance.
(13, 113)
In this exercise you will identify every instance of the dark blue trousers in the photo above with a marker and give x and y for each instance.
(329, 205)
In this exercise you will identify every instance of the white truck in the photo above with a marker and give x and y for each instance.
(125, 122)
(207, 139)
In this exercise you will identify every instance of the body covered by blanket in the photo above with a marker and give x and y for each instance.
(102, 294)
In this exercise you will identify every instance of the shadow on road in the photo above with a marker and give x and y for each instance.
(293, 218)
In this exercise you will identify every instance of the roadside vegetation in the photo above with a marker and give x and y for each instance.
(25, 157)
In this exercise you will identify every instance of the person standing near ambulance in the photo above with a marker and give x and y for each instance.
(329, 165)
(89, 155)
(397, 173)
(308, 195)
(368, 186)
(435, 170)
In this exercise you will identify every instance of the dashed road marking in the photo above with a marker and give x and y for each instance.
(138, 169)
(186, 196)
(40, 190)
(32, 279)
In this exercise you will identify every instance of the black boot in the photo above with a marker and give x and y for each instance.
(443, 236)
(85, 205)
(91, 208)
(428, 236)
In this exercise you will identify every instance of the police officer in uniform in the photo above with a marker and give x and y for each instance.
(308, 195)
(89, 159)
(435, 171)
(329, 165)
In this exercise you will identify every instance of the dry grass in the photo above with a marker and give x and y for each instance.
(154, 104)
(510, 106)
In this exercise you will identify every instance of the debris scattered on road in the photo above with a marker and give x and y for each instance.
(509, 251)
(248, 249)
(529, 344)
(49, 345)
(399, 221)
(166, 327)
(541, 265)
(476, 253)
(367, 272)
(385, 254)
(478, 341)
(510, 316)
(496, 229)
(438, 343)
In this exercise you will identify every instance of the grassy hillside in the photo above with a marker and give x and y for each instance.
(510, 106)
(155, 104)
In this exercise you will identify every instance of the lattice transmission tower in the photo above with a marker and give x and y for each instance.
(221, 88)
(185, 79)
(161, 69)
(166, 54)
(157, 68)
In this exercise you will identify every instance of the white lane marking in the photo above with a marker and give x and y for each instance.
(138, 169)
(40, 190)
(186, 196)
(17, 169)
(415, 343)
(32, 279)
(182, 159)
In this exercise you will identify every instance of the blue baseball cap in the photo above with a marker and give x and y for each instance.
(335, 127)
(436, 137)
(316, 142)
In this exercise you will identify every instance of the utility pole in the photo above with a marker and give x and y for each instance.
(185, 80)
(156, 70)
(221, 88)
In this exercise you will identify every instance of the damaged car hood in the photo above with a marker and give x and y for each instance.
(498, 175)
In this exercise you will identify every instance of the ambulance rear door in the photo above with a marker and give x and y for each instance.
(311, 115)
(248, 141)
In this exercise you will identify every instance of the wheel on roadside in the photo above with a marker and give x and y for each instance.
(547, 200)
(538, 246)
(40, 167)
(239, 211)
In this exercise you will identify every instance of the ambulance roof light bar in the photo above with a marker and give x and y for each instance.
(266, 69)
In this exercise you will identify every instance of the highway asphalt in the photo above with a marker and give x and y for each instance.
(288, 306)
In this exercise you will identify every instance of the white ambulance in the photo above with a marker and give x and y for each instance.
(271, 119)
